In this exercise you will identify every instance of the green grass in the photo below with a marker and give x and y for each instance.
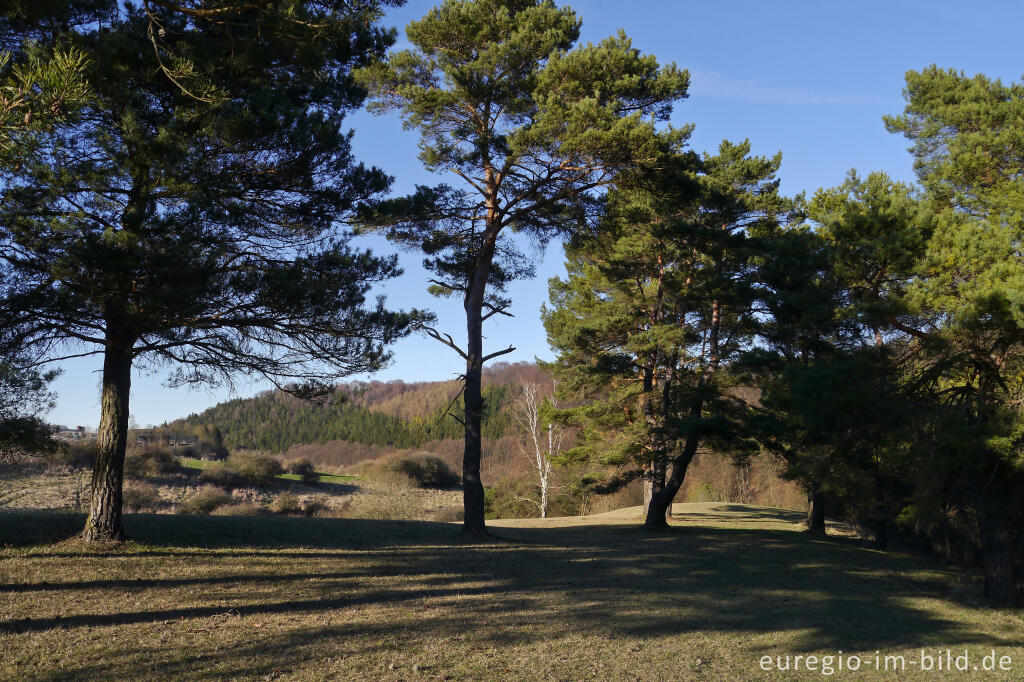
(313, 599)
(200, 464)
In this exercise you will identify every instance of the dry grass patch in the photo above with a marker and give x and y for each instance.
(317, 598)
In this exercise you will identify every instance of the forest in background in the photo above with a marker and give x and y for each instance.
(371, 421)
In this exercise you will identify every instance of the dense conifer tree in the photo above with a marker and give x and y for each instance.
(827, 351)
(968, 296)
(657, 305)
(160, 227)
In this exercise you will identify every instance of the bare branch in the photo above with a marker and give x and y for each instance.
(497, 354)
(446, 339)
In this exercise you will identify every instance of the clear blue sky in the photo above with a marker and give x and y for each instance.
(812, 79)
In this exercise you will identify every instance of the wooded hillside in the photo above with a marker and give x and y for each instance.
(392, 414)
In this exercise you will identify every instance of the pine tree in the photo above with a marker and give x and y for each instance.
(968, 296)
(157, 227)
(531, 127)
(656, 307)
(827, 356)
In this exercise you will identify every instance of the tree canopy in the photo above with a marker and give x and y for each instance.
(158, 227)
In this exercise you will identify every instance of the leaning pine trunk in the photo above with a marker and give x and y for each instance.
(104, 522)
(660, 505)
(816, 513)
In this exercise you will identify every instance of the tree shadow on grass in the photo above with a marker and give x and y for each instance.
(618, 581)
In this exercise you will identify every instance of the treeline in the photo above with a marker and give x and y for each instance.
(870, 337)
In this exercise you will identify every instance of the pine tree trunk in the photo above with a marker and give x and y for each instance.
(661, 502)
(660, 506)
(816, 513)
(654, 483)
(882, 534)
(997, 550)
(104, 522)
(472, 487)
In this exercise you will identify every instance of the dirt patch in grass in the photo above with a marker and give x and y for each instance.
(320, 598)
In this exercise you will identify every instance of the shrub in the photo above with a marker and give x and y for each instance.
(204, 501)
(286, 503)
(509, 499)
(239, 509)
(222, 475)
(316, 506)
(705, 493)
(304, 468)
(243, 469)
(76, 455)
(255, 468)
(421, 470)
(387, 480)
(426, 471)
(387, 506)
(150, 462)
(140, 497)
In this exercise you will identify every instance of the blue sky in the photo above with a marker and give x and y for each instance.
(812, 79)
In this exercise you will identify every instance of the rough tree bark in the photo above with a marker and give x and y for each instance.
(816, 513)
(997, 553)
(654, 474)
(472, 487)
(654, 482)
(104, 521)
(661, 502)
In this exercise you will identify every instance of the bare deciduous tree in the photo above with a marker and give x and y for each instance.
(526, 412)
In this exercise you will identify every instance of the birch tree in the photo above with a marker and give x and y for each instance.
(544, 441)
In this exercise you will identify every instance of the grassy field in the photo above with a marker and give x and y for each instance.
(592, 598)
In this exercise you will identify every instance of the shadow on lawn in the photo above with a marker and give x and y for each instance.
(617, 581)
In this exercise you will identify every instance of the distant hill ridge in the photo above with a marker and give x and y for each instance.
(392, 414)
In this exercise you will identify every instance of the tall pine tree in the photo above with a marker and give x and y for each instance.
(657, 306)
(158, 227)
(531, 127)
(968, 294)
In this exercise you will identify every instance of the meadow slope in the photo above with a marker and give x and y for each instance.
(577, 598)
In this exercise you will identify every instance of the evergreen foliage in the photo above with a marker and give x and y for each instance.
(657, 305)
(967, 301)
(200, 233)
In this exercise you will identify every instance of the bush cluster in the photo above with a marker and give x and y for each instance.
(423, 470)
(286, 504)
(204, 501)
(242, 469)
(304, 469)
(140, 497)
(75, 454)
(239, 509)
(150, 462)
